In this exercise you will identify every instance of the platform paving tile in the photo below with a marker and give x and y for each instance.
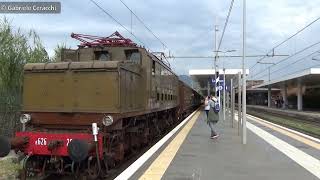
(297, 144)
(200, 157)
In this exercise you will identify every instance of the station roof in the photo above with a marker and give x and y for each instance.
(309, 77)
(198, 72)
(202, 76)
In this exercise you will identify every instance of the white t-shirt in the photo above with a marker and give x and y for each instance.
(207, 107)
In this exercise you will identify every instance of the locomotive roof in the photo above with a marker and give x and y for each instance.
(114, 40)
(71, 65)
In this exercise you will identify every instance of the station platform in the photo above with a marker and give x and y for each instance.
(271, 152)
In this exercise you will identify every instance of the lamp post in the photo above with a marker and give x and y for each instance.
(224, 94)
(215, 58)
(227, 51)
(244, 113)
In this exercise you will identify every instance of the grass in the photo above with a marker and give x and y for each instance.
(9, 169)
(290, 122)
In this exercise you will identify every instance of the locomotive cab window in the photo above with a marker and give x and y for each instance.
(102, 55)
(133, 55)
(153, 68)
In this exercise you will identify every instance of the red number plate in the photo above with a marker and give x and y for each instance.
(38, 142)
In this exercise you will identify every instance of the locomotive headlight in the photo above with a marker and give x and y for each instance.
(24, 118)
(107, 120)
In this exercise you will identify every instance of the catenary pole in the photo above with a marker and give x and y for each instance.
(232, 102)
(244, 125)
(215, 58)
(224, 94)
(239, 103)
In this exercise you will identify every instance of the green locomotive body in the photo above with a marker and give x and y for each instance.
(102, 101)
(122, 81)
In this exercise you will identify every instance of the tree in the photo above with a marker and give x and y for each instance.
(37, 52)
(17, 49)
(57, 52)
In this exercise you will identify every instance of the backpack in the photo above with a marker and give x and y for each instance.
(206, 102)
(216, 107)
(213, 115)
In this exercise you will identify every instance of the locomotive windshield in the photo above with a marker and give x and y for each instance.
(102, 55)
(133, 55)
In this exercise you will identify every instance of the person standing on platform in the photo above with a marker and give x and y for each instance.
(213, 116)
(206, 105)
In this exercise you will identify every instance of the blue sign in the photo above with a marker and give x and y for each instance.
(218, 81)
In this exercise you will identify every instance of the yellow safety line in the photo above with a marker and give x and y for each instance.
(290, 134)
(160, 165)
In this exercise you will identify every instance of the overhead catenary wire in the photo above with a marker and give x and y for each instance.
(315, 52)
(224, 27)
(253, 48)
(139, 19)
(229, 56)
(282, 42)
(303, 58)
(291, 73)
(107, 13)
(304, 49)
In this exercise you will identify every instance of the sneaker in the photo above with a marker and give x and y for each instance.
(215, 136)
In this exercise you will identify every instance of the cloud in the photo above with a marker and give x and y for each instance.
(186, 27)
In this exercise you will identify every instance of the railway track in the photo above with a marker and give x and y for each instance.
(307, 117)
(304, 125)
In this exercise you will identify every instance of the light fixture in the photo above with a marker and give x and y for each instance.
(107, 120)
(24, 118)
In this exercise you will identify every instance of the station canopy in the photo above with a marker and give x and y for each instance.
(201, 77)
(309, 77)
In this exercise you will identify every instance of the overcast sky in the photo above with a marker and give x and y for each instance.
(187, 28)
